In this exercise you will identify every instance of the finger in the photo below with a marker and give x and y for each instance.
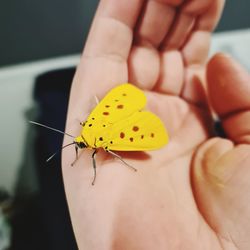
(172, 78)
(229, 92)
(104, 60)
(180, 29)
(114, 21)
(144, 60)
(196, 48)
(155, 22)
(189, 15)
(189, 36)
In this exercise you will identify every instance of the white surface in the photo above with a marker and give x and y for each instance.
(235, 43)
(16, 86)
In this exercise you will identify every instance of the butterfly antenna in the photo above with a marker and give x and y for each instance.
(59, 151)
(57, 130)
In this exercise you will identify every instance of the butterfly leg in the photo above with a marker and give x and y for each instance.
(94, 165)
(96, 100)
(120, 158)
(76, 149)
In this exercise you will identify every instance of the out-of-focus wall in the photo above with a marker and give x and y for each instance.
(33, 29)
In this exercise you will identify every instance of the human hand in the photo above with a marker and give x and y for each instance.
(172, 201)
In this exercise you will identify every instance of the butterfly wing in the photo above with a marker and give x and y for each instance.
(138, 132)
(120, 103)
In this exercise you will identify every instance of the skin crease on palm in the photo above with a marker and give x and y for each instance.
(195, 192)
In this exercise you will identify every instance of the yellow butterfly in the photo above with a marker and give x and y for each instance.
(119, 123)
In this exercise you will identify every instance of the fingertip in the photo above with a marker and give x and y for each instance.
(222, 63)
(217, 60)
(228, 84)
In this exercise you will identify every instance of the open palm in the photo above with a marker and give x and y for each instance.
(186, 195)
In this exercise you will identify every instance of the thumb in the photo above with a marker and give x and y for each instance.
(229, 93)
(221, 171)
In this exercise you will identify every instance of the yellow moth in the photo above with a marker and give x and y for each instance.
(120, 123)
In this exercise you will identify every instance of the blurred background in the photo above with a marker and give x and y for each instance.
(32, 30)
(40, 45)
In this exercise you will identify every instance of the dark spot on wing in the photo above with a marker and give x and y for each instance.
(120, 106)
(135, 128)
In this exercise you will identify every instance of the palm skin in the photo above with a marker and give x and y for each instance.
(187, 195)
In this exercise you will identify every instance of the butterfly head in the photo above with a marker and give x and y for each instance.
(79, 141)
